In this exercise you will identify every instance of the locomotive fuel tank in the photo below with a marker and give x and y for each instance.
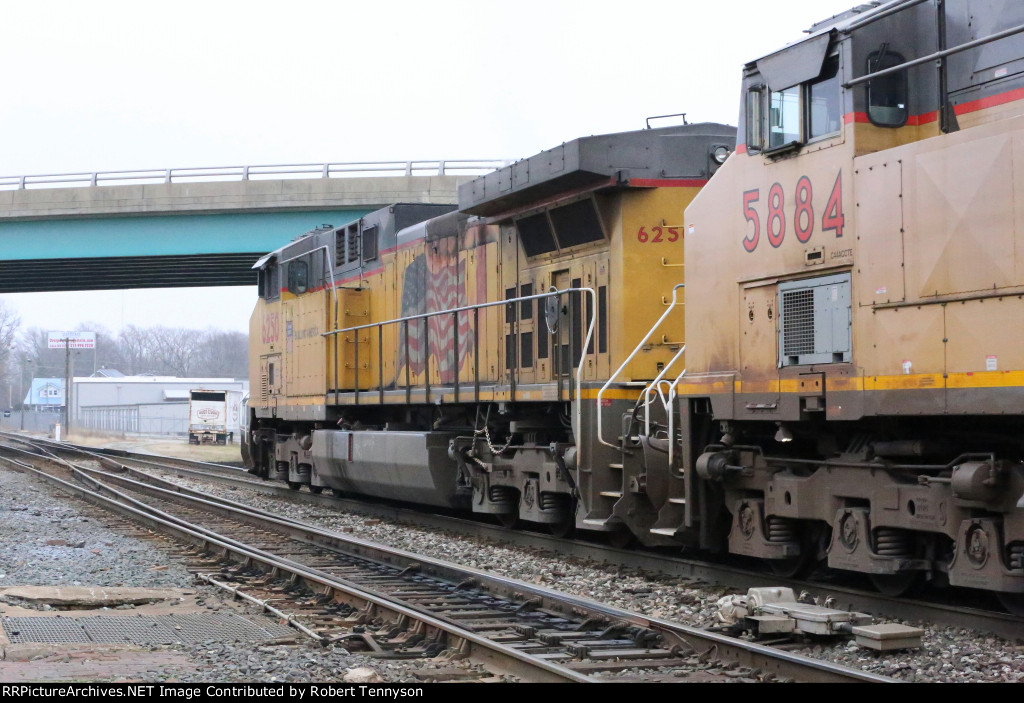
(407, 466)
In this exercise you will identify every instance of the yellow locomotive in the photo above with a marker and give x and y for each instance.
(855, 384)
(850, 386)
(456, 358)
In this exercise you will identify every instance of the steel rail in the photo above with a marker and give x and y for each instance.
(508, 657)
(746, 653)
(999, 624)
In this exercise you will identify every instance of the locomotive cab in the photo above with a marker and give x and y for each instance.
(860, 240)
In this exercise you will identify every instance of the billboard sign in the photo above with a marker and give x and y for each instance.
(73, 340)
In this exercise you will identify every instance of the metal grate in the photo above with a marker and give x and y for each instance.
(187, 628)
(798, 322)
(44, 629)
(130, 630)
(197, 627)
(353, 242)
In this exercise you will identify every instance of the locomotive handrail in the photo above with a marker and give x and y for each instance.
(478, 306)
(618, 371)
(337, 169)
(673, 392)
(881, 13)
(936, 56)
(655, 386)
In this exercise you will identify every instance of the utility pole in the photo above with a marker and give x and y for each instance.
(67, 386)
(80, 340)
(31, 376)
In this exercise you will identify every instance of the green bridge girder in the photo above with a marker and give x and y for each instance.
(140, 251)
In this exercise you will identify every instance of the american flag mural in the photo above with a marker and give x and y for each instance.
(437, 280)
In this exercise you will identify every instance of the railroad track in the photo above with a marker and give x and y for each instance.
(847, 597)
(399, 604)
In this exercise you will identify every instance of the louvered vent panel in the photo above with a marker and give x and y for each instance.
(816, 321)
(798, 322)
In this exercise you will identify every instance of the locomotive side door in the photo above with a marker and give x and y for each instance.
(561, 362)
(586, 275)
(509, 241)
(526, 331)
(270, 380)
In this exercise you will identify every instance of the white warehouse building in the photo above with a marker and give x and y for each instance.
(152, 405)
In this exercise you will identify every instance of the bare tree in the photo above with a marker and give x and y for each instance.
(174, 349)
(224, 354)
(10, 323)
(135, 351)
(33, 349)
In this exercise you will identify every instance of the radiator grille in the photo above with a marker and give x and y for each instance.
(815, 326)
(798, 322)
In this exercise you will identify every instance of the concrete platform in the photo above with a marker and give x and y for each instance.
(92, 596)
(23, 663)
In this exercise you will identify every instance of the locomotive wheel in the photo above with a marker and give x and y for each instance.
(338, 493)
(508, 520)
(294, 485)
(1013, 602)
(896, 585)
(813, 541)
(316, 489)
(794, 567)
(564, 527)
(621, 538)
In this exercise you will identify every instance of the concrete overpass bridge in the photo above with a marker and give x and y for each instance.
(191, 227)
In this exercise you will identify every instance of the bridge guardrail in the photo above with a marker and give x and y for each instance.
(340, 169)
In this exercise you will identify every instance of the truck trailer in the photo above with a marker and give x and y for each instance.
(208, 417)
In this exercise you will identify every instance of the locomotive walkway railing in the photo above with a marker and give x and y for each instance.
(666, 391)
(653, 384)
(454, 312)
(336, 169)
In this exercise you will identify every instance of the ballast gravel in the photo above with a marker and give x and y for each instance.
(947, 654)
(48, 539)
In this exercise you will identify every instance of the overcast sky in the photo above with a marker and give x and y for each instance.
(135, 85)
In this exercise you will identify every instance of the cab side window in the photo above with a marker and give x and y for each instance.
(269, 282)
(782, 120)
(887, 95)
(298, 276)
(369, 243)
(823, 110)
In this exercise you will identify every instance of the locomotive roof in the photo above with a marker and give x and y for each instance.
(679, 152)
(854, 14)
(391, 219)
(785, 67)
(304, 238)
(445, 225)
